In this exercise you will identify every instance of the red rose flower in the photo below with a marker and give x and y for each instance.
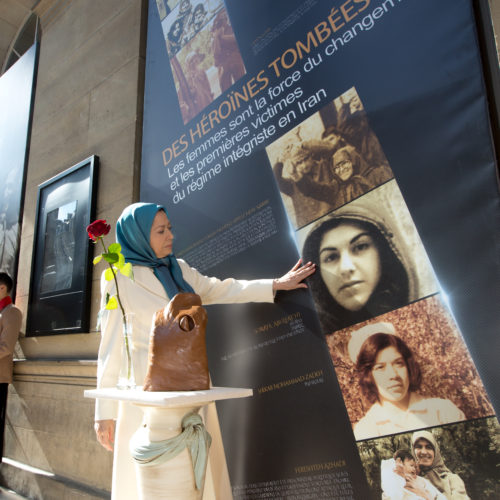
(97, 229)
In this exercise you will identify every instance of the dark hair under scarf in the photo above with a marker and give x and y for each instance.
(133, 233)
(391, 292)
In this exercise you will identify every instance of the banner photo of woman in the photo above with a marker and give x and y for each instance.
(368, 253)
(411, 368)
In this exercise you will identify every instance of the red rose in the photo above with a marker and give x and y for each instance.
(97, 229)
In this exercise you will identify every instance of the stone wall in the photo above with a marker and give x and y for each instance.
(88, 101)
(50, 429)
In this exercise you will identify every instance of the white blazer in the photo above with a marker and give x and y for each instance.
(144, 295)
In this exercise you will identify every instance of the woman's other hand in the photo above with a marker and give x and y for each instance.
(293, 278)
(105, 431)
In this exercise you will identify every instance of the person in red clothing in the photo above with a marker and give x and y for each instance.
(10, 324)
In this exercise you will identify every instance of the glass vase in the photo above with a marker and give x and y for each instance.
(126, 376)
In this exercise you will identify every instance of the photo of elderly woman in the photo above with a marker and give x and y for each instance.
(452, 462)
(330, 159)
(203, 52)
(406, 379)
(367, 252)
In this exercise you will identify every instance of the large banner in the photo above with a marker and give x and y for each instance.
(353, 134)
(16, 94)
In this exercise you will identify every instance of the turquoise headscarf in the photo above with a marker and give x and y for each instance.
(132, 233)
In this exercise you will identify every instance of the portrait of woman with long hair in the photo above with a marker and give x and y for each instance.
(362, 273)
(390, 380)
(367, 253)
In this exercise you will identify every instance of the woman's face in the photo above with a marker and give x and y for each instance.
(390, 375)
(349, 265)
(424, 452)
(344, 169)
(161, 237)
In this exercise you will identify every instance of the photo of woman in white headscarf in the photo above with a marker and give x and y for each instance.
(432, 467)
(390, 379)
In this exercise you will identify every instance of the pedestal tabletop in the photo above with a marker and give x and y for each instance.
(171, 398)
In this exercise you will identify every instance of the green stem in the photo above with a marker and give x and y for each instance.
(127, 348)
(116, 283)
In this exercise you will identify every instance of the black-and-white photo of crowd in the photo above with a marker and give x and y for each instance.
(328, 160)
(203, 51)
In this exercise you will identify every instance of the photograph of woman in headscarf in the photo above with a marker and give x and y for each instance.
(367, 252)
(432, 467)
(198, 81)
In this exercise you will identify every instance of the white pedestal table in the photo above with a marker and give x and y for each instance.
(163, 414)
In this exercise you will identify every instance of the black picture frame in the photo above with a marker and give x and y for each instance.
(61, 268)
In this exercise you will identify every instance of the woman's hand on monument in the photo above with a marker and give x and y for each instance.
(105, 431)
(293, 278)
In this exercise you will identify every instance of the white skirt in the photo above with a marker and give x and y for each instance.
(124, 483)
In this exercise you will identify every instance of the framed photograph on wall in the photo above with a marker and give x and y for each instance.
(59, 299)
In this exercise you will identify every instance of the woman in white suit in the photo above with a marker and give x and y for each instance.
(145, 235)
